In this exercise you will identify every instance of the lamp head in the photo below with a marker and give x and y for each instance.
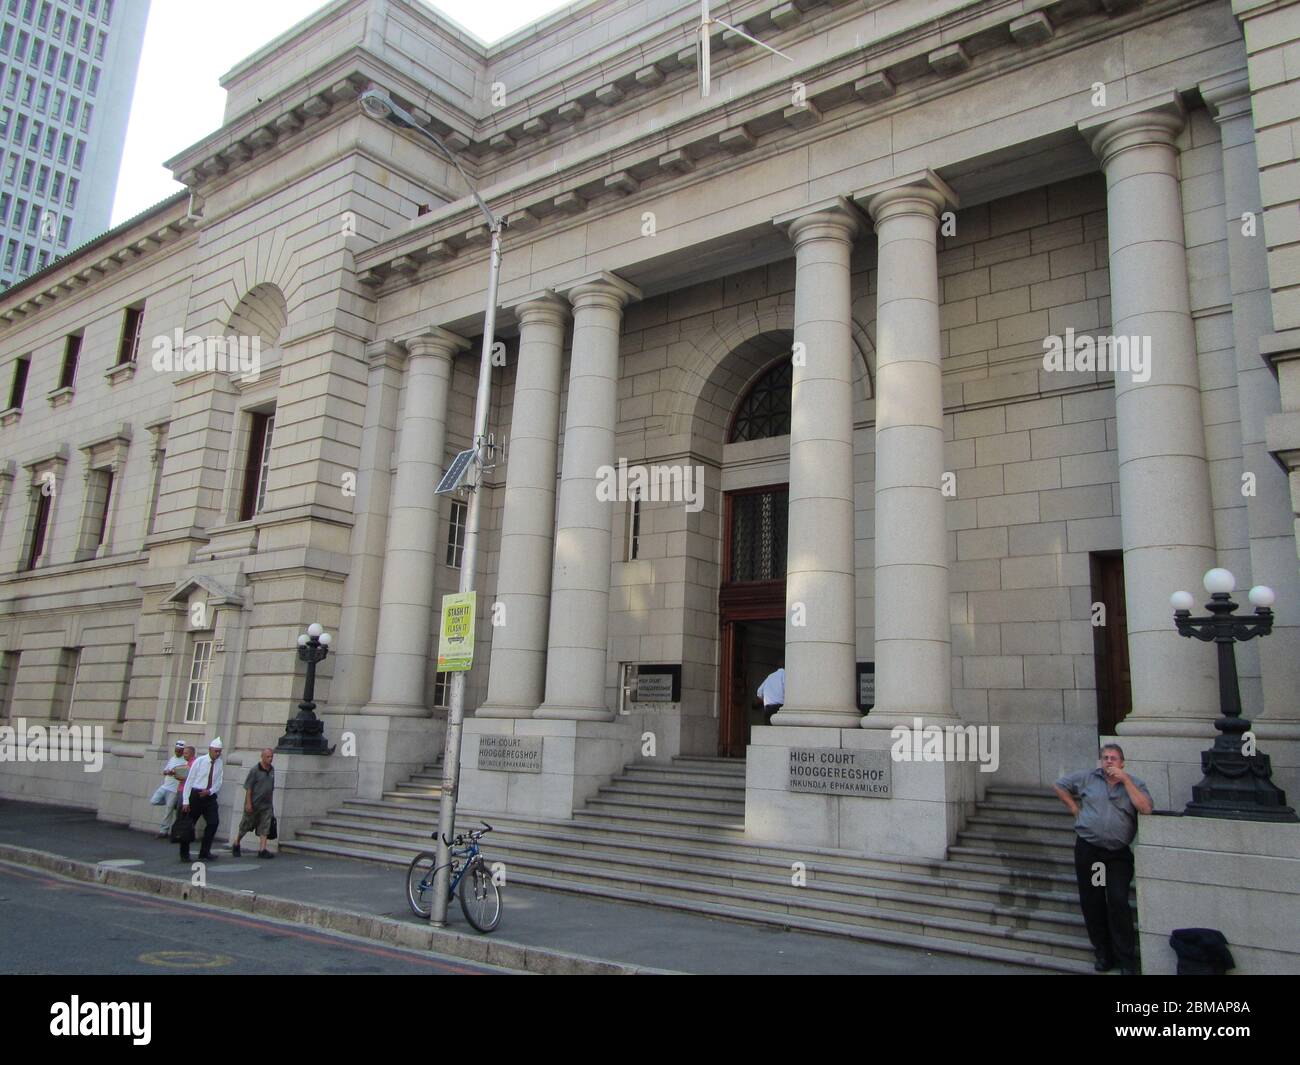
(326, 639)
(1182, 601)
(376, 104)
(1219, 581)
(315, 629)
(302, 640)
(1262, 596)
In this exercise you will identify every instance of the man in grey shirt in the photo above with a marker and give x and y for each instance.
(1105, 803)
(259, 795)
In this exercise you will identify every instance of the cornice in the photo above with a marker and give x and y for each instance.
(647, 165)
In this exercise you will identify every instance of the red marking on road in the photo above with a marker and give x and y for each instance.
(247, 923)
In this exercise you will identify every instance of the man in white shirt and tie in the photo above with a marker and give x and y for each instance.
(772, 692)
(200, 799)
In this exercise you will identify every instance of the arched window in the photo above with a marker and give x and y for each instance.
(765, 410)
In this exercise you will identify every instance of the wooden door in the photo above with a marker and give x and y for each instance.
(1110, 642)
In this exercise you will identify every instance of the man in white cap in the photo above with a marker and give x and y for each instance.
(170, 789)
(200, 800)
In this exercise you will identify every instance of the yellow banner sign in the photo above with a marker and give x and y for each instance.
(456, 637)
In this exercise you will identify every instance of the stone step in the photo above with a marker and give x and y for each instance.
(630, 795)
(985, 853)
(617, 853)
(1032, 840)
(1042, 802)
(701, 814)
(685, 773)
(1015, 830)
(715, 787)
(1023, 815)
(1059, 952)
(726, 765)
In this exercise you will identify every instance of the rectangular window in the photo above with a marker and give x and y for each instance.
(6, 38)
(29, 168)
(94, 522)
(73, 105)
(56, 190)
(65, 145)
(29, 90)
(6, 118)
(51, 60)
(196, 695)
(86, 116)
(34, 141)
(132, 325)
(456, 533)
(65, 67)
(633, 526)
(20, 213)
(74, 27)
(18, 386)
(6, 202)
(81, 74)
(11, 168)
(40, 527)
(100, 39)
(65, 231)
(441, 689)
(38, 48)
(43, 97)
(65, 684)
(43, 260)
(11, 254)
(44, 19)
(20, 129)
(34, 221)
(73, 185)
(79, 156)
(71, 353)
(108, 12)
(59, 18)
(20, 53)
(59, 97)
(26, 264)
(42, 180)
(11, 86)
(258, 467)
(8, 681)
(51, 135)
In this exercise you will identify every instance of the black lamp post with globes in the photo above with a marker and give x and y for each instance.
(305, 733)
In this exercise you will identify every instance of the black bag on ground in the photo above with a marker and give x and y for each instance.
(1201, 951)
(275, 829)
(183, 829)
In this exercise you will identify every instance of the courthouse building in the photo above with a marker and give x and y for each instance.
(820, 304)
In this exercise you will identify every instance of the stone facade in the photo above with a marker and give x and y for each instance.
(922, 198)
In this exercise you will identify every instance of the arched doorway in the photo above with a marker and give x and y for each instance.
(751, 595)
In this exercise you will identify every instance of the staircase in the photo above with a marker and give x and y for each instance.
(673, 835)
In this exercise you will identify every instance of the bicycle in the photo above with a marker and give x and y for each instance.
(480, 898)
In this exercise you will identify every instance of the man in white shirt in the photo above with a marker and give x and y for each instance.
(200, 799)
(772, 692)
(170, 789)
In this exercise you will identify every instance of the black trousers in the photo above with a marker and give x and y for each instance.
(1106, 909)
(204, 806)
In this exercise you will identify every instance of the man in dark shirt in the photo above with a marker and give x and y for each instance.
(259, 792)
(1105, 803)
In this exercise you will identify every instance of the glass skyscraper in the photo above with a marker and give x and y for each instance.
(67, 73)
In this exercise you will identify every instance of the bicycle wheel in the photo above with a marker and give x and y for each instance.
(480, 898)
(419, 883)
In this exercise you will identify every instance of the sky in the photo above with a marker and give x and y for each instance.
(189, 44)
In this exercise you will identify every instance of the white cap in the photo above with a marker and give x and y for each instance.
(217, 744)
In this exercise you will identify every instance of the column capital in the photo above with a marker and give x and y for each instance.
(543, 308)
(1155, 121)
(434, 340)
(923, 192)
(1227, 96)
(601, 289)
(834, 218)
(387, 354)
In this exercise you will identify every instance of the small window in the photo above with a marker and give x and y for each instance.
(8, 681)
(626, 686)
(94, 522)
(18, 386)
(71, 355)
(65, 684)
(258, 468)
(633, 526)
(456, 533)
(65, 231)
(20, 129)
(132, 325)
(42, 180)
(442, 690)
(196, 694)
(42, 501)
(86, 115)
(6, 202)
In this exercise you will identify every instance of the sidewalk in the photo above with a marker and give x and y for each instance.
(541, 931)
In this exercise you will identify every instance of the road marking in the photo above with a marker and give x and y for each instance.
(186, 959)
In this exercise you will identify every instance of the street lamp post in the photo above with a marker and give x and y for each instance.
(1236, 784)
(305, 733)
(379, 105)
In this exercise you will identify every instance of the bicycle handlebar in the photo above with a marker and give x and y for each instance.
(474, 834)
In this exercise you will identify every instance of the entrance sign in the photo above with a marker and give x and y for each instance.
(514, 754)
(659, 683)
(456, 637)
(831, 771)
(866, 686)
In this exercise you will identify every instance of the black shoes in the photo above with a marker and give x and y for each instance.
(235, 851)
(185, 856)
(265, 854)
(1103, 964)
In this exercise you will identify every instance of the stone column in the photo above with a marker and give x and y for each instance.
(1269, 515)
(517, 673)
(578, 632)
(913, 635)
(406, 600)
(359, 620)
(1167, 520)
(820, 637)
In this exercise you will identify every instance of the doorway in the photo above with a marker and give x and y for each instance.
(751, 608)
(753, 649)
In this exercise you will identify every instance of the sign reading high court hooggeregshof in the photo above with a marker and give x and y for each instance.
(456, 636)
(831, 771)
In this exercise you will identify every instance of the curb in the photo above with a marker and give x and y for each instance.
(388, 930)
